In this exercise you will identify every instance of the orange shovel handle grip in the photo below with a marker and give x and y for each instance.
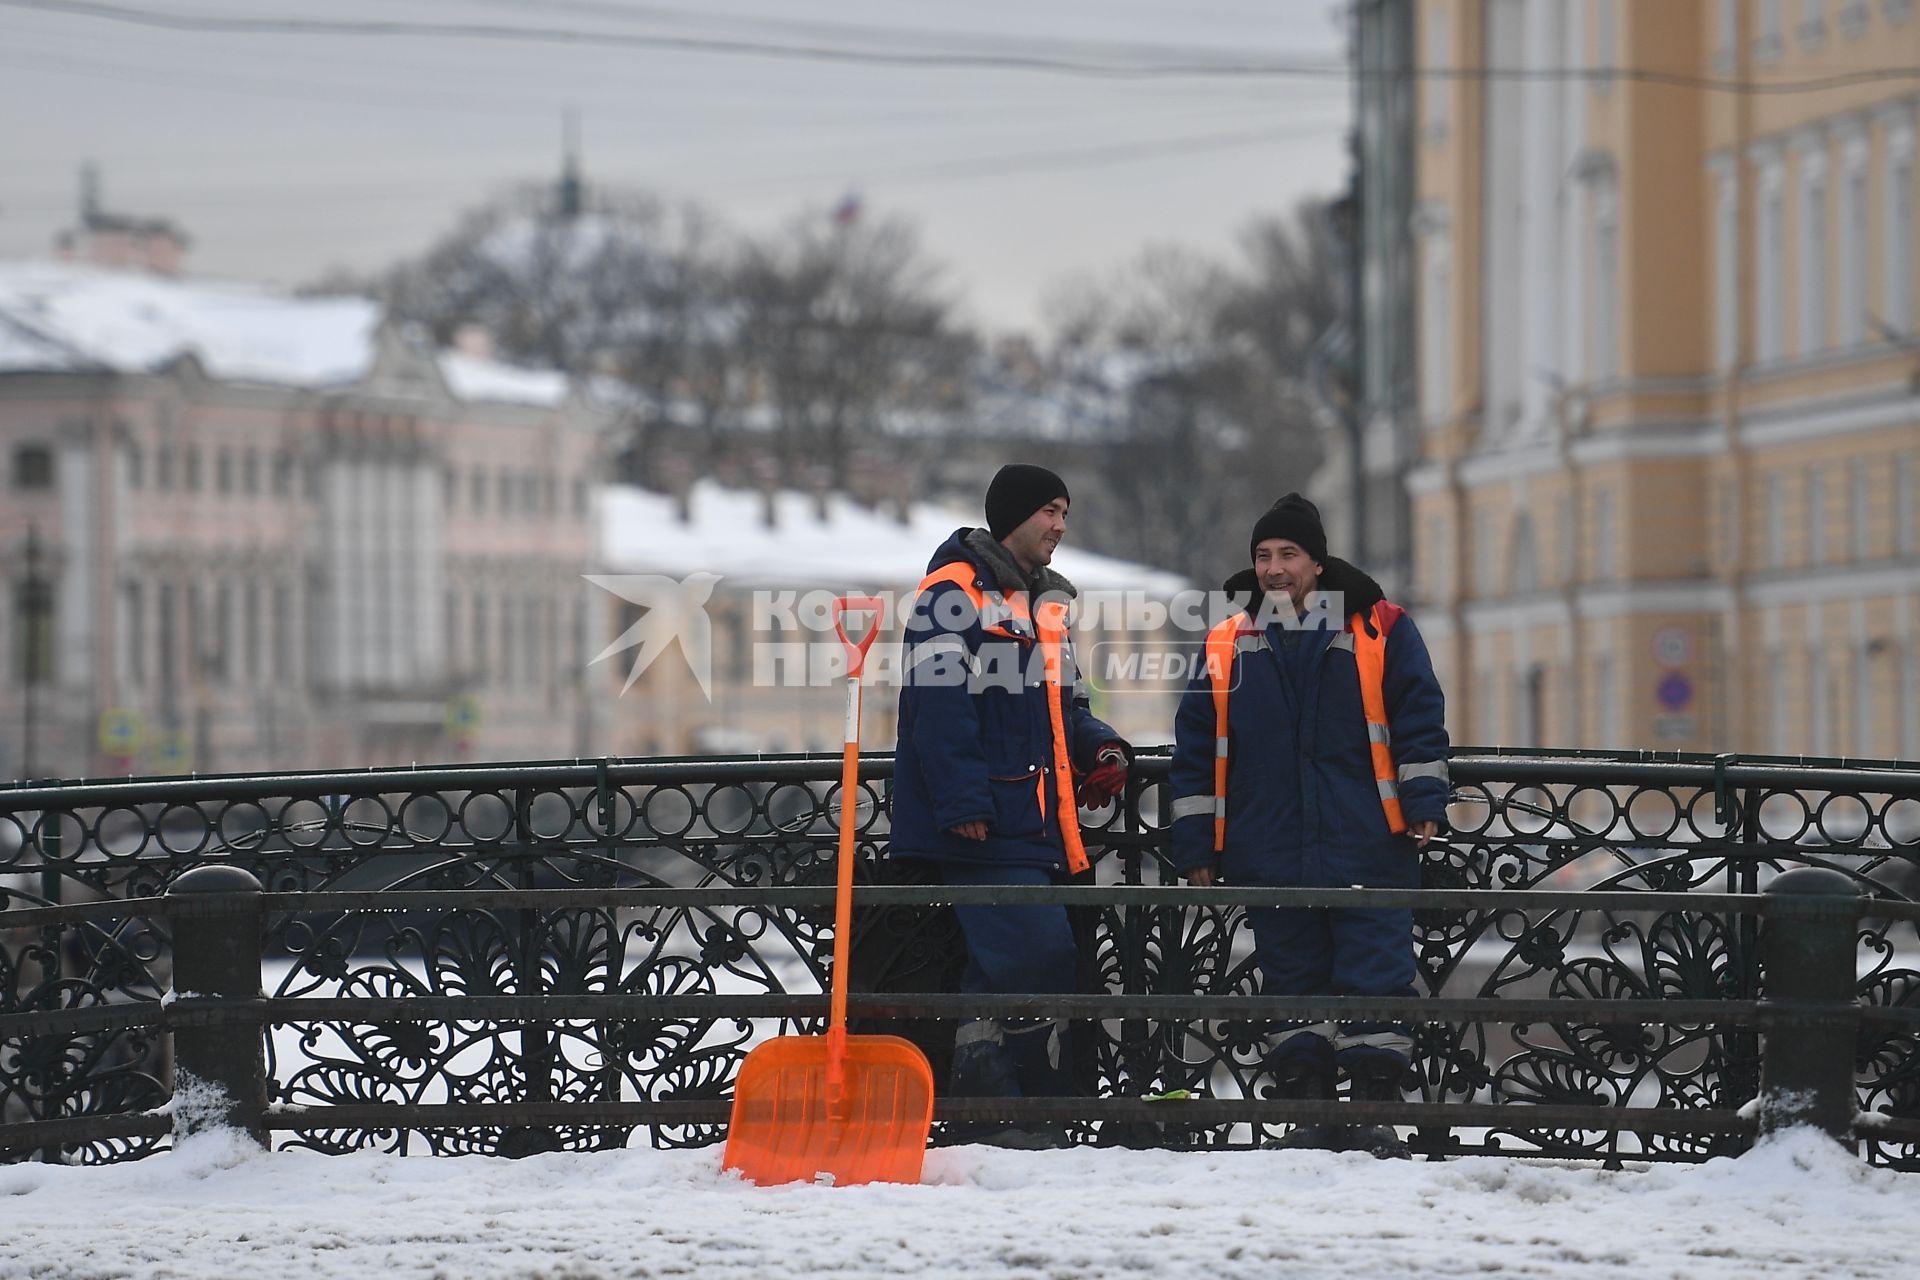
(857, 649)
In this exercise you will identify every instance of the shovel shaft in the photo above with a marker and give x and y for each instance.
(843, 898)
(843, 863)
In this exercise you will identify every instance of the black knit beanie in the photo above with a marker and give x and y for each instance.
(1296, 520)
(1018, 490)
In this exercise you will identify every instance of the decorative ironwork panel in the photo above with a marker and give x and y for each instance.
(1518, 823)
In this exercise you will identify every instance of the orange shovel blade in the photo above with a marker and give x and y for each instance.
(785, 1128)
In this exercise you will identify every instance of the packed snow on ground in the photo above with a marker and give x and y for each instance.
(1795, 1206)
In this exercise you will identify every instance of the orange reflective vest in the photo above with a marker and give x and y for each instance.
(995, 610)
(1238, 634)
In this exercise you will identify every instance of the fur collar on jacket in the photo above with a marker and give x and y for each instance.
(992, 553)
(1359, 591)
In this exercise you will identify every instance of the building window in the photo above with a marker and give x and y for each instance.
(507, 654)
(133, 636)
(1853, 245)
(450, 631)
(1484, 555)
(1860, 511)
(1727, 525)
(1820, 698)
(1439, 59)
(163, 468)
(506, 493)
(452, 495)
(1816, 517)
(250, 630)
(1853, 18)
(1813, 251)
(1726, 265)
(1606, 696)
(1903, 503)
(1898, 232)
(1813, 23)
(1767, 42)
(214, 654)
(1776, 522)
(1779, 733)
(1604, 347)
(530, 640)
(282, 633)
(190, 480)
(33, 626)
(223, 471)
(1439, 559)
(1726, 35)
(136, 467)
(250, 472)
(283, 474)
(1863, 699)
(1897, 11)
(167, 650)
(1489, 726)
(1605, 563)
(32, 467)
(1606, 45)
(479, 648)
(1771, 273)
(1436, 354)
(1569, 542)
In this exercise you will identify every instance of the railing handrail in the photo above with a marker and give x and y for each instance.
(934, 895)
(1470, 765)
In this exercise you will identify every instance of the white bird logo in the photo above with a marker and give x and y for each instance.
(673, 611)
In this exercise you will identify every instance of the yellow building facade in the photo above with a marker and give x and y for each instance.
(1669, 372)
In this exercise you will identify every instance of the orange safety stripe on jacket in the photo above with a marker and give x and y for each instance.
(1369, 655)
(1051, 629)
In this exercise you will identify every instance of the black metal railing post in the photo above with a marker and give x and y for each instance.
(1807, 965)
(215, 914)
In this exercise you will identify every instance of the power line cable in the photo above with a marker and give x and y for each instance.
(653, 15)
(1080, 157)
(972, 167)
(949, 59)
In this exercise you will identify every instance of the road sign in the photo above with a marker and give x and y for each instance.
(462, 720)
(173, 753)
(120, 731)
(1675, 691)
(1676, 728)
(1672, 646)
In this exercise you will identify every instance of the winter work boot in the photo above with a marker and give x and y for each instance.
(1377, 1079)
(982, 1068)
(1302, 1068)
(1037, 1048)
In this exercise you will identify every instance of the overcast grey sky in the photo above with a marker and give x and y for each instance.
(285, 153)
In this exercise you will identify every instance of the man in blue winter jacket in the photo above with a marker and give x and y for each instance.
(997, 747)
(1334, 775)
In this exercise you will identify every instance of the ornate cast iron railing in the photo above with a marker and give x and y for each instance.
(510, 958)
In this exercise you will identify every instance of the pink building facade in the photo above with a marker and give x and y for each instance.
(273, 533)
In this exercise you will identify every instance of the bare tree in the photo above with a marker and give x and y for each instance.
(842, 320)
(1208, 361)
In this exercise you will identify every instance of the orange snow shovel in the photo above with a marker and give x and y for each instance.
(856, 1108)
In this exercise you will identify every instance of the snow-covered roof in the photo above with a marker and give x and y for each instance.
(61, 317)
(471, 378)
(854, 547)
